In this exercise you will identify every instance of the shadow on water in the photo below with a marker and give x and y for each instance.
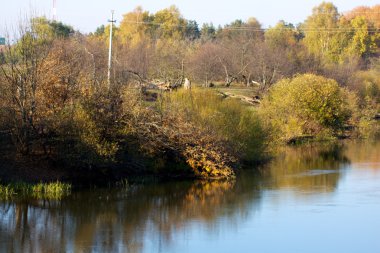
(125, 221)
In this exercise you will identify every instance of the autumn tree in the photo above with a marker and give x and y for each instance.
(363, 38)
(335, 37)
(371, 14)
(170, 24)
(282, 35)
(135, 26)
(320, 31)
(46, 29)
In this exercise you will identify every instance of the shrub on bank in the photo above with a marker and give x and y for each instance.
(308, 106)
(367, 85)
(210, 134)
(228, 119)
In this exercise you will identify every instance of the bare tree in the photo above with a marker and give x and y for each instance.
(22, 71)
(204, 64)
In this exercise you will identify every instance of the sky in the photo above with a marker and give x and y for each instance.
(87, 15)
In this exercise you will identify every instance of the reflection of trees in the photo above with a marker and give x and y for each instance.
(367, 153)
(113, 221)
(101, 221)
(310, 167)
(24, 224)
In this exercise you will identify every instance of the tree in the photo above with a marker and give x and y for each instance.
(371, 14)
(170, 24)
(237, 40)
(268, 65)
(283, 35)
(99, 30)
(22, 72)
(45, 29)
(364, 39)
(192, 30)
(133, 62)
(243, 31)
(168, 61)
(208, 32)
(204, 64)
(135, 26)
(320, 32)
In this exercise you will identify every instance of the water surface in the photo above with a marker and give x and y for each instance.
(318, 198)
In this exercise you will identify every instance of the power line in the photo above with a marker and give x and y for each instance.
(247, 28)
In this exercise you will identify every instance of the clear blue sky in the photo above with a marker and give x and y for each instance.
(86, 15)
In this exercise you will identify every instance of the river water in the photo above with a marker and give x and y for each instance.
(315, 198)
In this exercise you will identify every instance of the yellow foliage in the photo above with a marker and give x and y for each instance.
(307, 105)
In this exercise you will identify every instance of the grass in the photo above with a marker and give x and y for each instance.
(52, 190)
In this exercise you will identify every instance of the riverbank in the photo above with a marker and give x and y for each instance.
(193, 134)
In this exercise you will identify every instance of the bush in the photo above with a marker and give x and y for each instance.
(208, 133)
(367, 85)
(228, 119)
(307, 106)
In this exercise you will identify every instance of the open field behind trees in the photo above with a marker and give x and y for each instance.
(252, 88)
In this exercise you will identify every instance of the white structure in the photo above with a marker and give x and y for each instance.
(110, 50)
(187, 84)
(54, 10)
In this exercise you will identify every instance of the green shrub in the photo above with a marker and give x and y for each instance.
(367, 125)
(307, 105)
(367, 85)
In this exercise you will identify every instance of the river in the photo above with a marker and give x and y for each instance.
(314, 198)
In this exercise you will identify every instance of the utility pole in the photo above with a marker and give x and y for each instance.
(110, 50)
(54, 10)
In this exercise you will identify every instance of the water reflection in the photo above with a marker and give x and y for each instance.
(314, 167)
(150, 217)
(118, 221)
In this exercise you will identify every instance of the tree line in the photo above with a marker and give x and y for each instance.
(243, 51)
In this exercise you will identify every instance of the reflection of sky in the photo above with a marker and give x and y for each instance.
(343, 221)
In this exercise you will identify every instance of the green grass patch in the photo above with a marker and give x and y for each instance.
(54, 190)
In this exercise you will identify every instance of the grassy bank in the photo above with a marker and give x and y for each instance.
(54, 190)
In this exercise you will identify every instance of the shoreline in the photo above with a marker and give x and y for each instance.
(35, 170)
